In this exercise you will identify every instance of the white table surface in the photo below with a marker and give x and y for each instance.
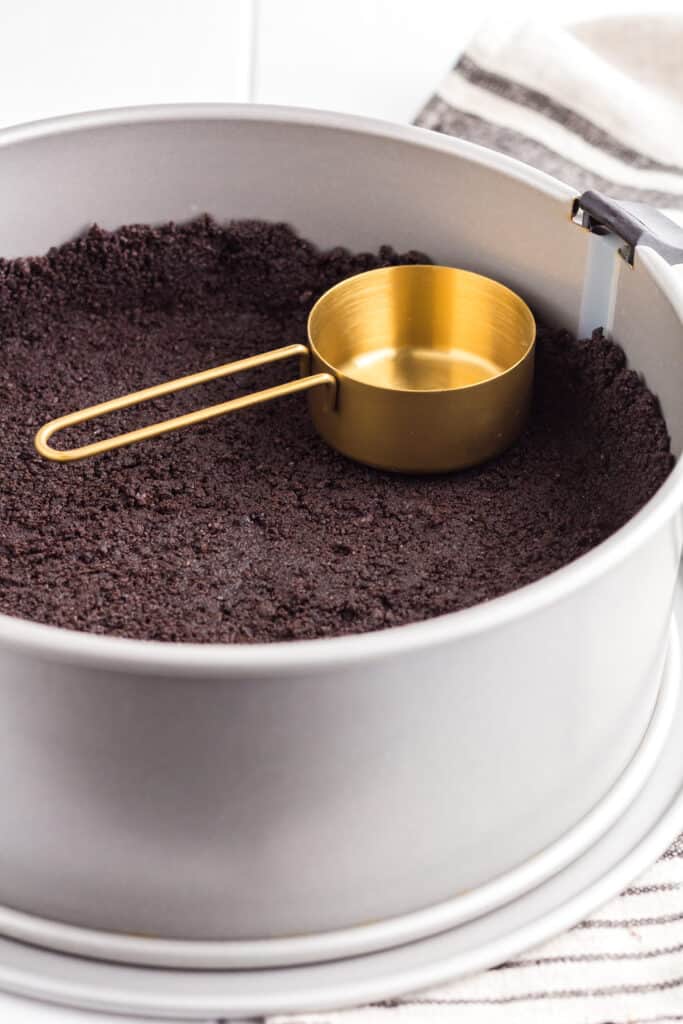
(375, 57)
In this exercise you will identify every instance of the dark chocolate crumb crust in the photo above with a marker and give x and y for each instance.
(250, 528)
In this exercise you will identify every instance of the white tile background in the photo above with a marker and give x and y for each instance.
(375, 57)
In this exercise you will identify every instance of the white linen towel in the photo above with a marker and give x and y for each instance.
(598, 105)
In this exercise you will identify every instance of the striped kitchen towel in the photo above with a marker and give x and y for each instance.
(598, 104)
(623, 965)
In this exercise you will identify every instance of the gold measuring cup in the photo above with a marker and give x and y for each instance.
(417, 369)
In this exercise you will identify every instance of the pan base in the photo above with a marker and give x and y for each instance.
(629, 846)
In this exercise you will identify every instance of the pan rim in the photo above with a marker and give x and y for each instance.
(222, 660)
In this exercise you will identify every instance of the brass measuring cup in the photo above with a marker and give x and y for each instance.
(415, 368)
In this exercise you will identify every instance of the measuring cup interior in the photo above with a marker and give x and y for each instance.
(420, 328)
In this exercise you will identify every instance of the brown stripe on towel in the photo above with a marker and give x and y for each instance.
(641, 922)
(523, 96)
(440, 116)
(675, 850)
(589, 958)
(646, 890)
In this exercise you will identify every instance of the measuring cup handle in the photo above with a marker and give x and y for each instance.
(188, 419)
